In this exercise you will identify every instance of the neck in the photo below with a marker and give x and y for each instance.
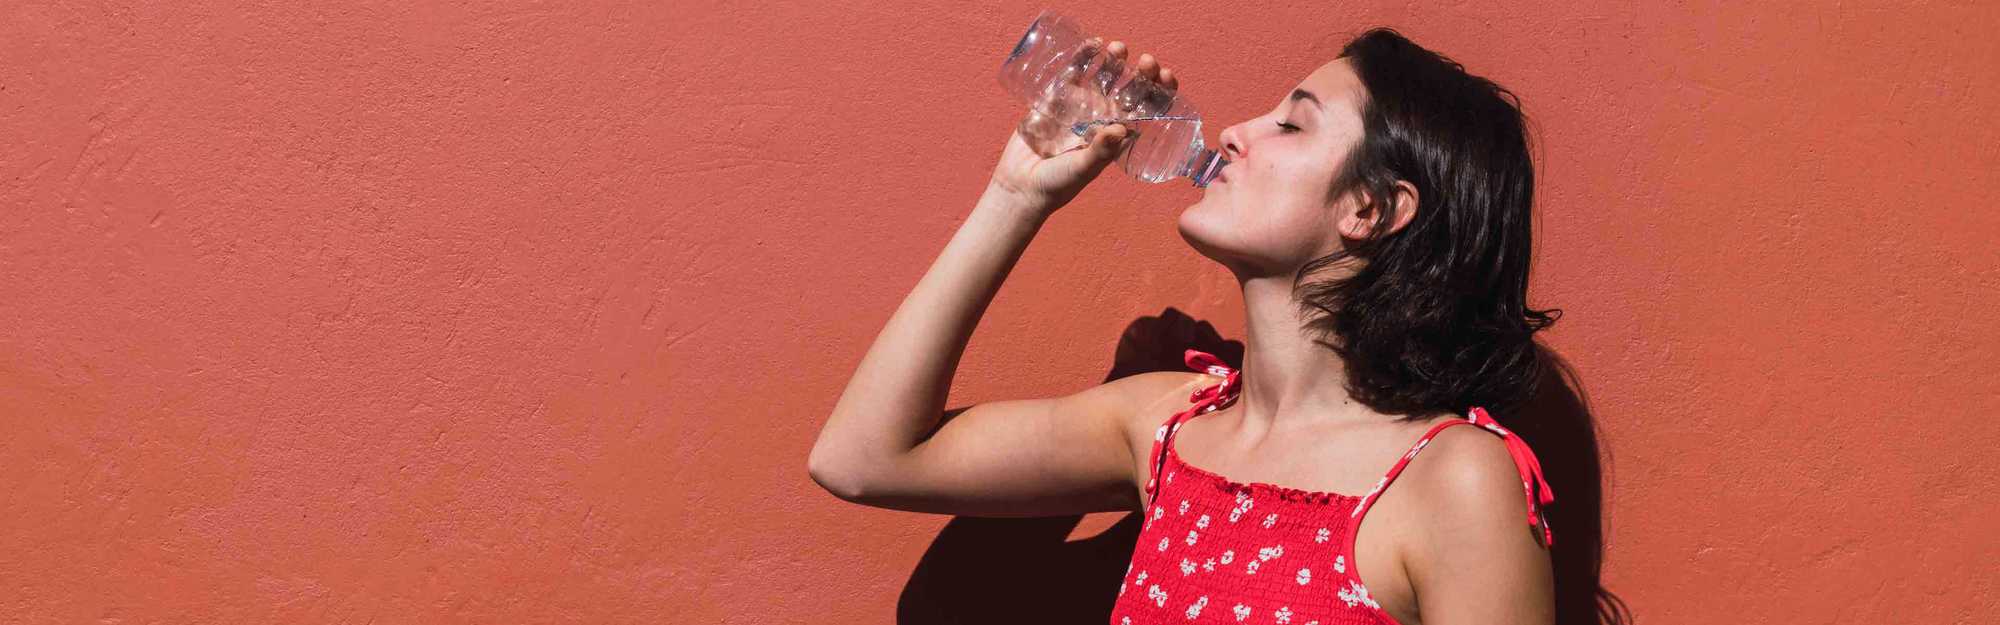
(1289, 382)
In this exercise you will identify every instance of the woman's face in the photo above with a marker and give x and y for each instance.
(1268, 212)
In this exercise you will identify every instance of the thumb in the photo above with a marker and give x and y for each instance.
(1109, 140)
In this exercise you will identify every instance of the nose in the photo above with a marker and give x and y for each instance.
(1232, 142)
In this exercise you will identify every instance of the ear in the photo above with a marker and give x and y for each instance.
(1357, 224)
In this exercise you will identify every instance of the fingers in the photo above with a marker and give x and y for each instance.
(1112, 67)
(1116, 52)
(1148, 67)
(1154, 71)
(1151, 89)
(1077, 72)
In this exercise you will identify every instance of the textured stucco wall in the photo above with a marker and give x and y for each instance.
(529, 312)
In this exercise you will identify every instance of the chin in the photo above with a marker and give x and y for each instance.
(1204, 228)
(1208, 218)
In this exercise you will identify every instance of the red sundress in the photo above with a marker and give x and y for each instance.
(1212, 550)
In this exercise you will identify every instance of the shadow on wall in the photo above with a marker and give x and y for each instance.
(1012, 570)
(1559, 425)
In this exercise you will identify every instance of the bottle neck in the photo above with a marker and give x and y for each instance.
(1203, 165)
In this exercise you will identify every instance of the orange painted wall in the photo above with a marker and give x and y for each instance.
(529, 312)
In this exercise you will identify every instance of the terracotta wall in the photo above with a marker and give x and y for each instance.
(529, 312)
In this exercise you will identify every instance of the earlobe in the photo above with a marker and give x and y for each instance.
(1354, 225)
(1360, 223)
(1360, 227)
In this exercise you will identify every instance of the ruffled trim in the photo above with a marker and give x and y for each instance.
(1284, 493)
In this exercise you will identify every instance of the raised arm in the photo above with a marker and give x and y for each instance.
(883, 444)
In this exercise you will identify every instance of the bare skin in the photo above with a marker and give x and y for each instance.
(1446, 544)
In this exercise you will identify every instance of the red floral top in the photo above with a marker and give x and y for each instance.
(1216, 551)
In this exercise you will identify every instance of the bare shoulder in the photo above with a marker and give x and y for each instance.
(1465, 467)
(1153, 384)
(1147, 394)
(1139, 403)
(1476, 558)
(1153, 397)
(1470, 486)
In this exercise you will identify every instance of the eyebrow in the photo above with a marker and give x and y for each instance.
(1301, 94)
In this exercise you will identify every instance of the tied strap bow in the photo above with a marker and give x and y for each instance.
(1537, 489)
(1214, 397)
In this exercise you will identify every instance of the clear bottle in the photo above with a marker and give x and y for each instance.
(1072, 85)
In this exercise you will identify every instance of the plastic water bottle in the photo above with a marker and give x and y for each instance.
(1071, 85)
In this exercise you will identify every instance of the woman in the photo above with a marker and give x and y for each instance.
(1378, 222)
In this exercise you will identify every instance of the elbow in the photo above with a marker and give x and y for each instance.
(843, 482)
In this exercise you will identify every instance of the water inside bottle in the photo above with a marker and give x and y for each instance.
(1131, 123)
(1049, 126)
(1158, 146)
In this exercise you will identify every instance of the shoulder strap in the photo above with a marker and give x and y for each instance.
(1538, 491)
(1159, 457)
(1368, 500)
(1206, 400)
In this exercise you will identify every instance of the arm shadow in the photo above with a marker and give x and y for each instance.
(982, 570)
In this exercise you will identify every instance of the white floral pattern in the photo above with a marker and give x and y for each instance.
(1356, 594)
(1243, 504)
(1363, 503)
(1305, 576)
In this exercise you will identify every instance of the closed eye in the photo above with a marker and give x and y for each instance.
(1288, 127)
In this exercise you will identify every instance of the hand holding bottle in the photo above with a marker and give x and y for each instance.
(1048, 183)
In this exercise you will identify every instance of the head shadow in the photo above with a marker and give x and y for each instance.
(1559, 424)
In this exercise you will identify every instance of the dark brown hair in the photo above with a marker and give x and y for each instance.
(1436, 318)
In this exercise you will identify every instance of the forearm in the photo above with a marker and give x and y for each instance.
(898, 391)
